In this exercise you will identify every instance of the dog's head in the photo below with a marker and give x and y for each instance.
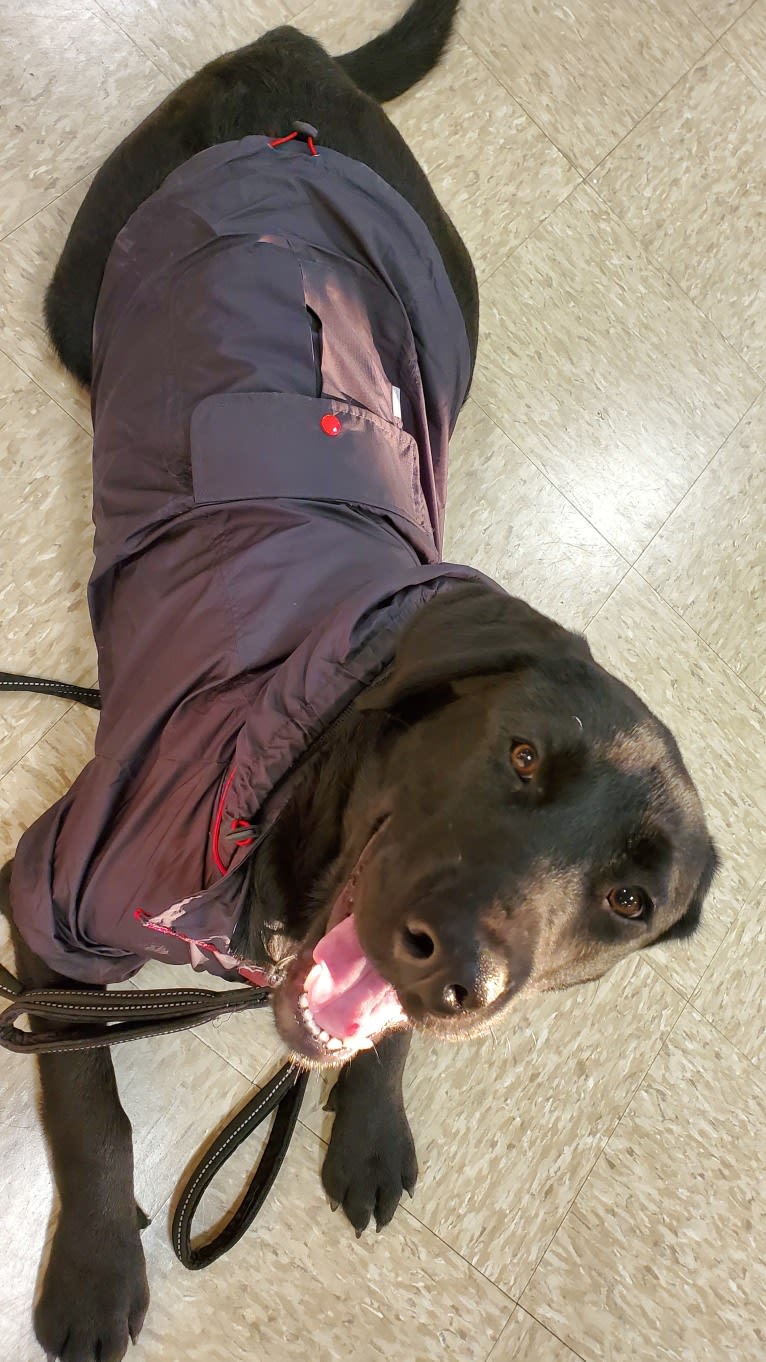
(523, 823)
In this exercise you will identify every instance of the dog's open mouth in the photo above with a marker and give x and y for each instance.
(333, 1002)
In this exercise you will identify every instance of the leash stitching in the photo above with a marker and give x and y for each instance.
(213, 1156)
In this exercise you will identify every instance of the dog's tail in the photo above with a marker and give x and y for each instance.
(397, 59)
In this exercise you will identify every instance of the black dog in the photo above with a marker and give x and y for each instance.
(495, 814)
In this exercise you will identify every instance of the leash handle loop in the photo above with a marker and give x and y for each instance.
(285, 1092)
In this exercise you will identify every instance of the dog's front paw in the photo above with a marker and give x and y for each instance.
(370, 1162)
(94, 1294)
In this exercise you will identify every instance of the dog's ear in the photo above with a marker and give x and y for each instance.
(470, 631)
(687, 925)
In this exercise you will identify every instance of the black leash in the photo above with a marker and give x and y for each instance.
(112, 1018)
(84, 695)
(285, 1092)
(98, 1018)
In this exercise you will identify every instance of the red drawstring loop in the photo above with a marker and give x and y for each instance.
(305, 132)
(279, 140)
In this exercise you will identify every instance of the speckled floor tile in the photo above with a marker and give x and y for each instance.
(719, 14)
(731, 994)
(524, 1340)
(709, 559)
(73, 84)
(664, 1252)
(47, 536)
(690, 182)
(180, 37)
(495, 171)
(602, 371)
(589, 70)
(506, 1128)
(177, 1092)
(46, 772)
(27, 259)
(746, 41)
(720, 727)
(506, 518)
(300, 1283)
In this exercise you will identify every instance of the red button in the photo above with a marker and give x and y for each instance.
(330, 424)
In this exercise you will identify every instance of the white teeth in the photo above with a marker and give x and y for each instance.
(313, 1029)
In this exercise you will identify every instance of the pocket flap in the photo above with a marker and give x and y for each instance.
(255, 446)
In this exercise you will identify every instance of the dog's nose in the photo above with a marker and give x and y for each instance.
(449, 978)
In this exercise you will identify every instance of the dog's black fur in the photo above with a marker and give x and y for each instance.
(508, 867)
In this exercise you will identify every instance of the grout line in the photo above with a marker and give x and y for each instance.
(585, 173)
(597, 611)
(110, 19)
(658, 269)
(406, 1210)
(702, 471)
(700, 57)
(23, 755)
(50, 396)
(737, 1048)
(687, 1007)
(99, 12)
(729, 26)
(759, 699)
(495, 1344)
(564, 495)
(528, 237)
(551, 1331)
(684, 1004)
(5, 236)
(745, 901)
(656, 264)
(196, 1032)
(459, 30)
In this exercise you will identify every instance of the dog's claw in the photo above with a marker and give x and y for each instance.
(334, 1205)
(359, 1233)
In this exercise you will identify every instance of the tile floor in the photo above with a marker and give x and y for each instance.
(593, 1183)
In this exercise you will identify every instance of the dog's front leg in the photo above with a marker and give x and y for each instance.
(371, 1159)
(94, 1292)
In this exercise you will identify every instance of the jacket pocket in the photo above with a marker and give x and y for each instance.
(269, 446)
(365, 347)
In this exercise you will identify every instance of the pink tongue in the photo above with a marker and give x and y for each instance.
(347, 996)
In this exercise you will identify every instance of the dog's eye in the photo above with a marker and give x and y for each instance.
(524, 758)
(629, 901)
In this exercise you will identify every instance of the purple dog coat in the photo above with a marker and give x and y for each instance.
(279, 361)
